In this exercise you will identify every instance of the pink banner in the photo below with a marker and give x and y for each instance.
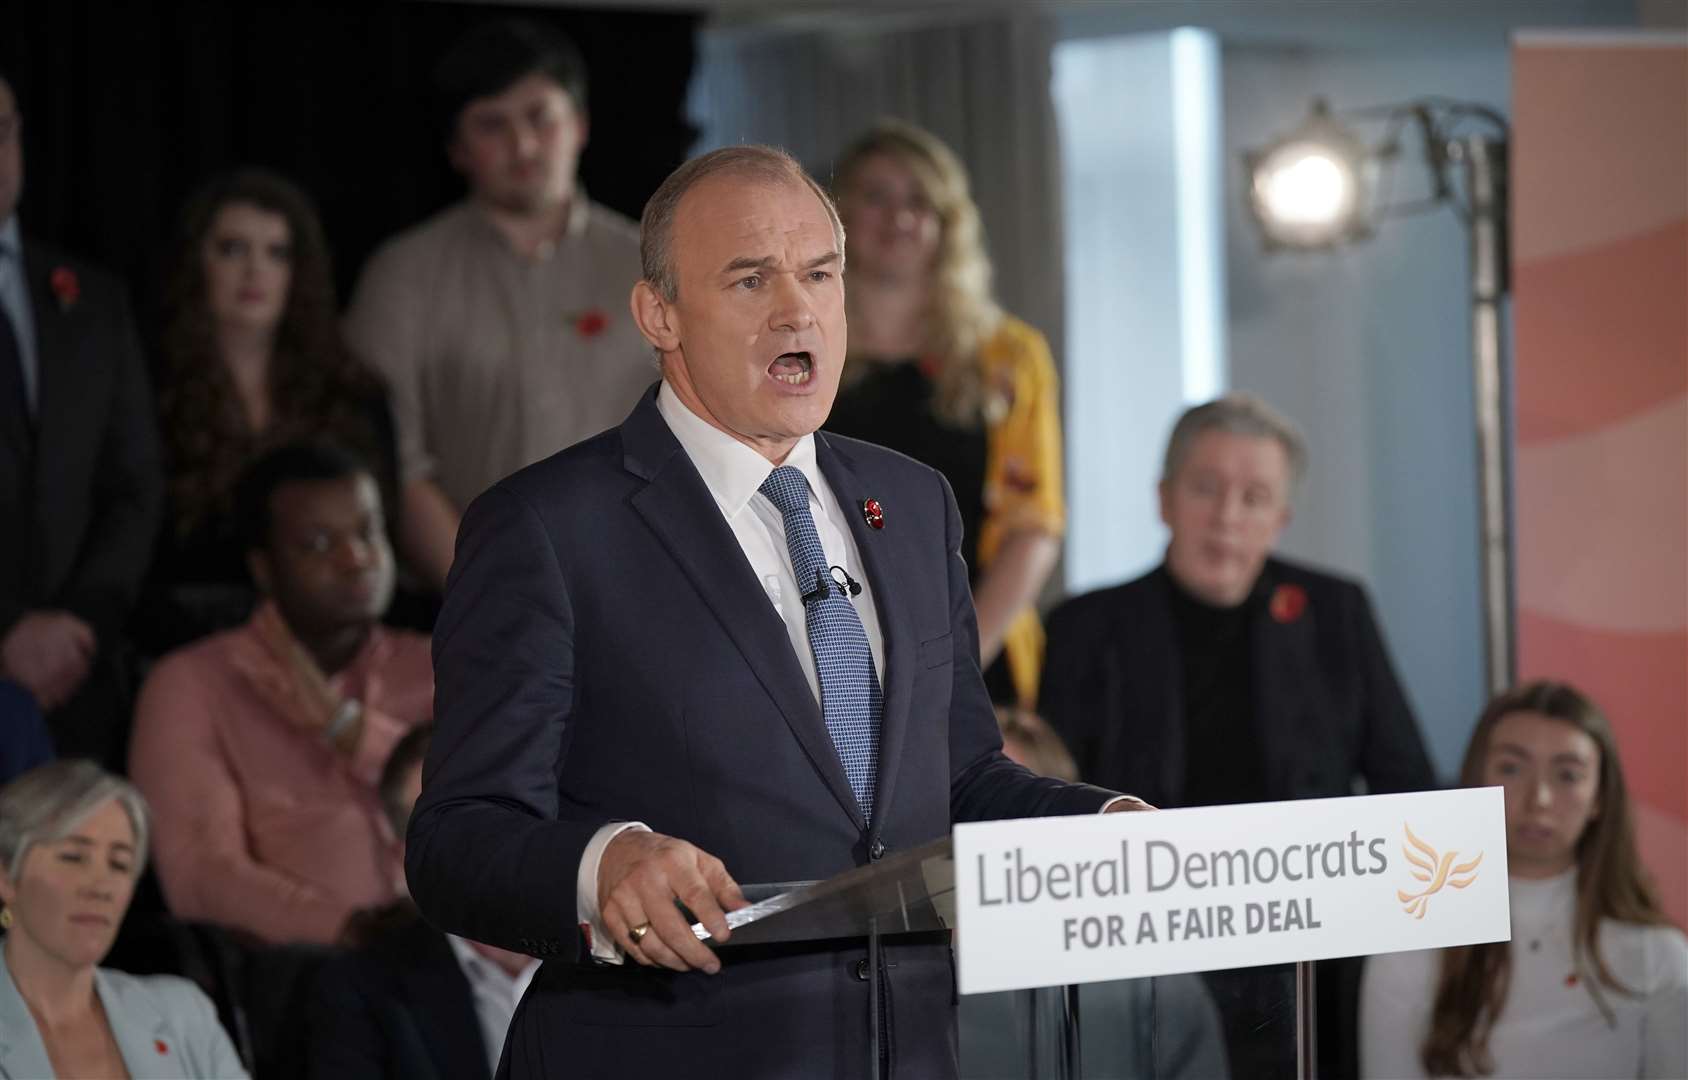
(1600, 305)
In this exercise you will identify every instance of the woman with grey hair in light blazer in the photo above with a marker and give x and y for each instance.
(73, 841)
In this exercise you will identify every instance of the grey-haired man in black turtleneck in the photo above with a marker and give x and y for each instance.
(1225, 675)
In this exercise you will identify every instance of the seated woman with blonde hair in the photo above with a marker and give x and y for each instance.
(73, 841)
(1594, 981)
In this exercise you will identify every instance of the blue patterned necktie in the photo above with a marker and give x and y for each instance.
(850, 697)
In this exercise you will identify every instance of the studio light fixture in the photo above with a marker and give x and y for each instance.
(1310, 189)
(1322, 186)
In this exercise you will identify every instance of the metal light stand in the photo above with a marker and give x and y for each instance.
(1485, 174)
(1483, 157)
(1484, 161)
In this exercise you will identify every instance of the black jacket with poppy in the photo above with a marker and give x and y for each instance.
(1327, 711)
(81, 484)
(1327, 708)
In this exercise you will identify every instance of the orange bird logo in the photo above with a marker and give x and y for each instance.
(1436, 870)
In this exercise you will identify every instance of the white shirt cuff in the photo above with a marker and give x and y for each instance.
(604, 947)
(1116, 800)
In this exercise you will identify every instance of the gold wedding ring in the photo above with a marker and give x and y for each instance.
(638, 932)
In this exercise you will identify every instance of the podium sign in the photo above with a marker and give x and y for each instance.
(1048, 901)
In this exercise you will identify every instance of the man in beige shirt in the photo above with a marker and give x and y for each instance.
(501, 323)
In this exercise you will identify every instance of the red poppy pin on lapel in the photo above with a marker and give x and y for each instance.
(66, 288)
(873, 513)
(1288, 602)
(159, 1045)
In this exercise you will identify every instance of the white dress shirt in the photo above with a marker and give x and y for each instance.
(733, 472)
(496, 993)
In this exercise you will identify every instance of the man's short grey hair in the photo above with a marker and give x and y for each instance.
(47, 803)
(765, 164)
(1239, 414)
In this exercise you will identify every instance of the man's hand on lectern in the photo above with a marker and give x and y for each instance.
(640, 877)
(1127, 804)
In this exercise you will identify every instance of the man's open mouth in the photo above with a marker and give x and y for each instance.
(794, 368)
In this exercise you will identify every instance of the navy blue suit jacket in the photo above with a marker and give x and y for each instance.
(605, 652)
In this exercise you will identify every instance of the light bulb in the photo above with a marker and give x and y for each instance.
(1307, 186)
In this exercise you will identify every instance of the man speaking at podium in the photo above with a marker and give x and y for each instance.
(711, 646)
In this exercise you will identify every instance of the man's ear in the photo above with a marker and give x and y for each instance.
(656, 318)
(1163, 492)
(258, 564)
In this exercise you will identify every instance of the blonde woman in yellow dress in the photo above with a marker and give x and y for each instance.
(938, 371)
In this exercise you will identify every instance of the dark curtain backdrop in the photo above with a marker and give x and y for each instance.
(128, 106)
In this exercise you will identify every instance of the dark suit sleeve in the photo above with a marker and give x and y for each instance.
(1392, 756)
(487, 858)
(128, 489)
(984, 784)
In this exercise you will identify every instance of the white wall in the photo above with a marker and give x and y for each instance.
(1139, 122)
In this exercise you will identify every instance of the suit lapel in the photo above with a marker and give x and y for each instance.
(885, 569)
(149, 1047)
(677, 506)
(22, 1053)
(59, 378)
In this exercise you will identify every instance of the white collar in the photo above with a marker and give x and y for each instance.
(731, 470)
(11, 236)
(479, 967)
